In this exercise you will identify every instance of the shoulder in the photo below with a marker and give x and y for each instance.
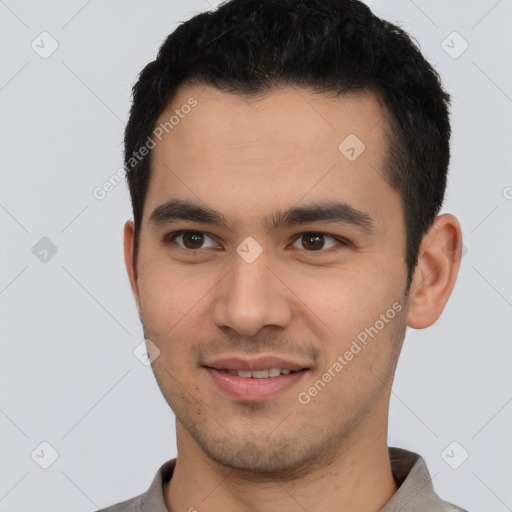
(131, 505)
(153, 499)
(415, 490)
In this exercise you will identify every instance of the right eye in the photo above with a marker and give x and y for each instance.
(191, 241)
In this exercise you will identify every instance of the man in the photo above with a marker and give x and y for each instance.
(287, 162)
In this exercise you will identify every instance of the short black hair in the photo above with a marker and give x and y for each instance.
(249, 47)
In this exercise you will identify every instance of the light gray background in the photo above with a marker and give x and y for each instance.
(69, 325)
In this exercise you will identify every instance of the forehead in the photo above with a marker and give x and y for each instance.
(231, 150)
(286, 117)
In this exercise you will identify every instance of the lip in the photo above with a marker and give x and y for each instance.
(251, 389)
(260, 363)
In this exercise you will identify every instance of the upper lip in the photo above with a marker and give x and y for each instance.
(260, 363)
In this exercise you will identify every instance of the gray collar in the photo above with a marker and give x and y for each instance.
(415, 491)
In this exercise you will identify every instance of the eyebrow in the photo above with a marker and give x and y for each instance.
(331, 211)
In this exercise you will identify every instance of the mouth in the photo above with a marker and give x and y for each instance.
(270, 373)
(254, 380)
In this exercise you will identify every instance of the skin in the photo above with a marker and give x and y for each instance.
(247, 158)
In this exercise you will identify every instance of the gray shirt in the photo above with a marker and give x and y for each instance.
(415, 492)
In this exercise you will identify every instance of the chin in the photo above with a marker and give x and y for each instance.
(282, 458)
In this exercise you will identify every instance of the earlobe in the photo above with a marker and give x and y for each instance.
(129, 260)
(436, 271)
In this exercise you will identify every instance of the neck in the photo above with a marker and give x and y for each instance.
(357, 478)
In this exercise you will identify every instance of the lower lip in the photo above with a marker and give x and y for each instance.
(251, 389)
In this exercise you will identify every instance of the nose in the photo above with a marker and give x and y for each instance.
(251, 297)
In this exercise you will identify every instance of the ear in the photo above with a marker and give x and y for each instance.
(129, 260)
(436, 271)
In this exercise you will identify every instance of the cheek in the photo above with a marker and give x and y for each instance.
(345, 301)
(361, 313)
(169, 299)
(169, 314)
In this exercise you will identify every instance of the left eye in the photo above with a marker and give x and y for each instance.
(314, 241)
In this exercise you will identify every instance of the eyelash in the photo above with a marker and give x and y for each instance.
(170, 239)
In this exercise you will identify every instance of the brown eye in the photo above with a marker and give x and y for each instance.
(189, 240)
(316, 241)
(313, 241)
(192, 239)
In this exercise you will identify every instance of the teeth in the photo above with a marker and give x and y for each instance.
(260, 374)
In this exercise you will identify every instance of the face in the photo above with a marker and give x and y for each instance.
(271, 240)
